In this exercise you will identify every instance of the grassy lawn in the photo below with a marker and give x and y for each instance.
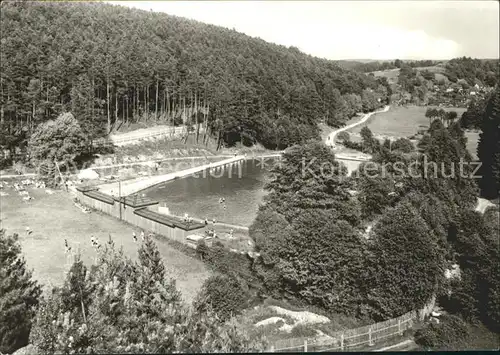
(54, 218)
(400, 121)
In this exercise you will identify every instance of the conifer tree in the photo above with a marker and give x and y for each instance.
(19, 295)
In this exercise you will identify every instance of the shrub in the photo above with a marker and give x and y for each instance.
(404, 145)
(19, 168)
(303, 331)
(344, 136)
(5, 162)
(448, 334)
(353, 145)
(224, 295)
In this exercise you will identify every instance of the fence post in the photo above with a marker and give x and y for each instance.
(370, 341)
(399, 327)
(305, 345)
(342, 342)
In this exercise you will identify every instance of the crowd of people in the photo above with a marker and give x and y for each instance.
(21, 188)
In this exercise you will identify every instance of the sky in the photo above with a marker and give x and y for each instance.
(355, 29)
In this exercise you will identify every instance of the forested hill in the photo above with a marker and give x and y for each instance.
(108, 63)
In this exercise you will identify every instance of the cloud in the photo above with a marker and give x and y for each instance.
(348, 30)
(378, 42)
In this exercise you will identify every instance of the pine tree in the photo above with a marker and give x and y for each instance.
(19, 295)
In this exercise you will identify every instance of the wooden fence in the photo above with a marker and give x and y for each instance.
(349, 339)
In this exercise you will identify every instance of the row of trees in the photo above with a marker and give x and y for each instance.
(116, 305)
(386, 65)
(86, 59)
(446, 117)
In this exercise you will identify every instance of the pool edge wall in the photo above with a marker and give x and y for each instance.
(128, 215)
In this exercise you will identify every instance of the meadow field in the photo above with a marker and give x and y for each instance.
(402, 121)
(391, 75)
(437, 70)
(54, 218)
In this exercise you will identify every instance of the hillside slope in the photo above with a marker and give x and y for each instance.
(108, 63)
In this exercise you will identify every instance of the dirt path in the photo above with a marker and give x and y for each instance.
(330, 140)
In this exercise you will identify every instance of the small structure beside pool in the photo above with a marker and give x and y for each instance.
(192, 240)
(139, 211)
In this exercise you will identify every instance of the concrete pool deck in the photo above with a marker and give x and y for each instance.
(133, 186)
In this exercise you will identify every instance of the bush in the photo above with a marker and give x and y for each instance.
(224, 295)
(202, 250)
(5, 162)
(229, 263)
(447, 335)
(19, 168)
(404, 145)
(353, 145)
(344, 136)
(303, 331)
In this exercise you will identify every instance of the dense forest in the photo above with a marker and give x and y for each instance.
(110, 65)
(475, 71)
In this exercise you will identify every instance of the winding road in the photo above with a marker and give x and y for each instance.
(330, 140)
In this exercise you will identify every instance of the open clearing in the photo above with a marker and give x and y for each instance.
(54, 218)
(400, 121)
(391, 75)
